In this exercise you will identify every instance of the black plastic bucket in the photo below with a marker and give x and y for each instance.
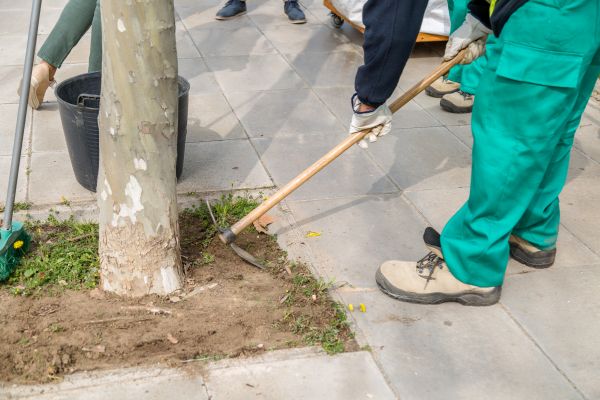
(79, 105)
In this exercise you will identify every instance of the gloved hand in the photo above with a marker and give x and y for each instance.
(379, 121)
(472, 34)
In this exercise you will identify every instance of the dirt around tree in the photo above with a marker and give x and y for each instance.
(53, 322)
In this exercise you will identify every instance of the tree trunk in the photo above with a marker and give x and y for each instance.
(139, 245)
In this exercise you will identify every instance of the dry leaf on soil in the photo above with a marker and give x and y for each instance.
(262, 224)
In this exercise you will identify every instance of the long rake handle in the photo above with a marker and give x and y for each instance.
(22, 114)
(230, 234)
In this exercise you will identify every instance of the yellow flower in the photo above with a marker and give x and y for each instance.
(18, 244)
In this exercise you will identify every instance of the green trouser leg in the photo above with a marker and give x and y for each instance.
(75, 19)
(467, 75)
(95, 60)
(529, 104)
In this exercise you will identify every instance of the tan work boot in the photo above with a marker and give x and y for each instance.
(458, 102)
(429, 281)
(526, 253)
(40, 82)
(441, 87)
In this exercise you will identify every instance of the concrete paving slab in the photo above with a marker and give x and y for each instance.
(12, 49)
(222, 165)
(327, 70)
(270, 13)
(297, 39)
(587, 140)
(264, 72)
(47, 134)
(424, 158)
(52, 180)
(338, 101)
(340, 377)
(275, 113)
(10, 76)
(210, 118)
(451, 351)
(201, 79)
(147, 384)
(21, 184)
(463, 133)
(185, 45)
(358, 234)
(352, 174)
(8, 122)
(241, 41)
(556, 309)
(14, 21)
(438, 206)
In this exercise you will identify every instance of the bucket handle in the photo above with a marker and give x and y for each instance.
(82, 98)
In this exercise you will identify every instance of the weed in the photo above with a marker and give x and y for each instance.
(207, 258)
(64, 253)
(19, 206)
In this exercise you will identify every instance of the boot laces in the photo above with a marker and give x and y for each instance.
(465, 95)
(430, 262)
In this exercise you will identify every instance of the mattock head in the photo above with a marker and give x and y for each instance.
(228, 237)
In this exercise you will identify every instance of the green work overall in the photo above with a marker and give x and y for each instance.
(467, 75)
(75, 20)
(532, 95)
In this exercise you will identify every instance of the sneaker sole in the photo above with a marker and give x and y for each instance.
(453, 108)
(466, 299)
(518, 254)
(232, 17)
(431, 92)
(301, 21)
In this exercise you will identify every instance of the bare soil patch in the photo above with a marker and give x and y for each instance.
(227, 309)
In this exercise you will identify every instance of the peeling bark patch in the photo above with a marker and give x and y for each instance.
(133, 190)
(170, 279)
(146, 127)
(140, 164)
(121, 25)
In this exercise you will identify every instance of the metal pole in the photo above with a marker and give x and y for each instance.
(22, 114)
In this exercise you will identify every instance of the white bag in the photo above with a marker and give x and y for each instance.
(436, 21)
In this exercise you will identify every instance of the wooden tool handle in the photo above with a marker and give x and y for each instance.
(229, 235)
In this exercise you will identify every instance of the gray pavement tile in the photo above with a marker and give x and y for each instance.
(210, 118)
(21, 194)
(12, 49)
(579, 201)
(341, 377)
(222, 165)
(185, 45)
(424, 158)
(327, 69)
(273, 113)
(258, 72)
(241, 41)
(302, 39)
(432, 106)
(352, 174)
(47, 134)
(270, 13)
(8, 122)
(450, 351)
(52, 180)
(10, 76)
(592, 112)
(147, 384)
(14, 22)
(463, 133)
(409, 116)
(438, 206)
(358, 234)
(557, 309)
(201, 79)
(587, 140)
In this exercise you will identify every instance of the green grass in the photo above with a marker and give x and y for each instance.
(19, 206)
(63, 254)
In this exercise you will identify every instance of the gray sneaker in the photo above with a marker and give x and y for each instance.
(294, 12)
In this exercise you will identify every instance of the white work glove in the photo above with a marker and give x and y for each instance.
(472, 34)
(379, 121)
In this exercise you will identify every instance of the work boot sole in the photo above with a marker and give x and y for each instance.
(467, 299)
(432, 92)
(453, 108)
(541, 260)
(232, 17)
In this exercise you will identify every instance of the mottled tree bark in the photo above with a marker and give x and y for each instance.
(139, 246)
